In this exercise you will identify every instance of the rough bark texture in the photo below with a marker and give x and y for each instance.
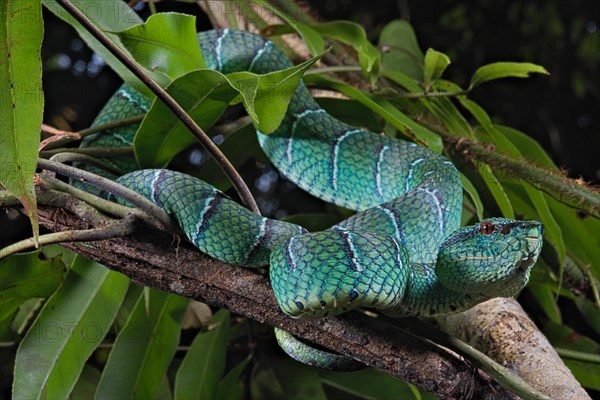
(162, 262)
(502, 330)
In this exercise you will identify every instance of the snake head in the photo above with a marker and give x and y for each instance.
(493, 257)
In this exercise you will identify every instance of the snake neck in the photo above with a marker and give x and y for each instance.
(426, 296)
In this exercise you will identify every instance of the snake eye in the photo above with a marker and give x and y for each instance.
(505, 230)
(486, 228)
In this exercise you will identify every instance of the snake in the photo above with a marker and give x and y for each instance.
(403, 253)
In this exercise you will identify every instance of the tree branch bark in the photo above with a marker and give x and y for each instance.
(501, 329)
(157, 260)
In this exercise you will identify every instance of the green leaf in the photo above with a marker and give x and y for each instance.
(204, 94)
(579, 233)
(25, 314)
(266, 97)
(26, 280)
(166, 42)
(129, 302)
(354, 35)
(26, 275)
(381, 386)
(164, 390)
(385, 109)
(527, 145)
(66, 256)
(400, 49)
(552, 229)
(313, 40)
(21, 99)
(282, 377)
(86, 385)
(589, 311)
(402, 79)
(143, 348)
(497, 191)
(446, 112)
(72, 323)
(435, 64)
(264, 384)
(8, 311)
(349, 33)
(203, 366)
(546, 300)
(231, 388)
(499, 70)
(110, 16)
(563, 336)
(472, 192)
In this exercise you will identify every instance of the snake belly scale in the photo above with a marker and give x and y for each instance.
(403, 253)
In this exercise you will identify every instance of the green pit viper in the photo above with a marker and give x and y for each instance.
(403, 253)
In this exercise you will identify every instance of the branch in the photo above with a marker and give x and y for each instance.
(74, 136)
(122, 227)
(101, 152)
(149, 259)
(501, 329)
(556, 184)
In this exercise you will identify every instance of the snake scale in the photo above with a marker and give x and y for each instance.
(403, 253)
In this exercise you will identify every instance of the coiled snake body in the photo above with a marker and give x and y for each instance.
(404, 253)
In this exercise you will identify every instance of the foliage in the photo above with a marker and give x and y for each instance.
(410, 98)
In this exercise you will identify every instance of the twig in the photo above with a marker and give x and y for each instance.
(122, 227)
(56, 135)
(210, 147)
(95, 129)
(83, 158)
(102, 152)
(562, 188)
(165, 221)
(101, 204)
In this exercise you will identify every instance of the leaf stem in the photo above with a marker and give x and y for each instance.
(211, 148)
(578, 355)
